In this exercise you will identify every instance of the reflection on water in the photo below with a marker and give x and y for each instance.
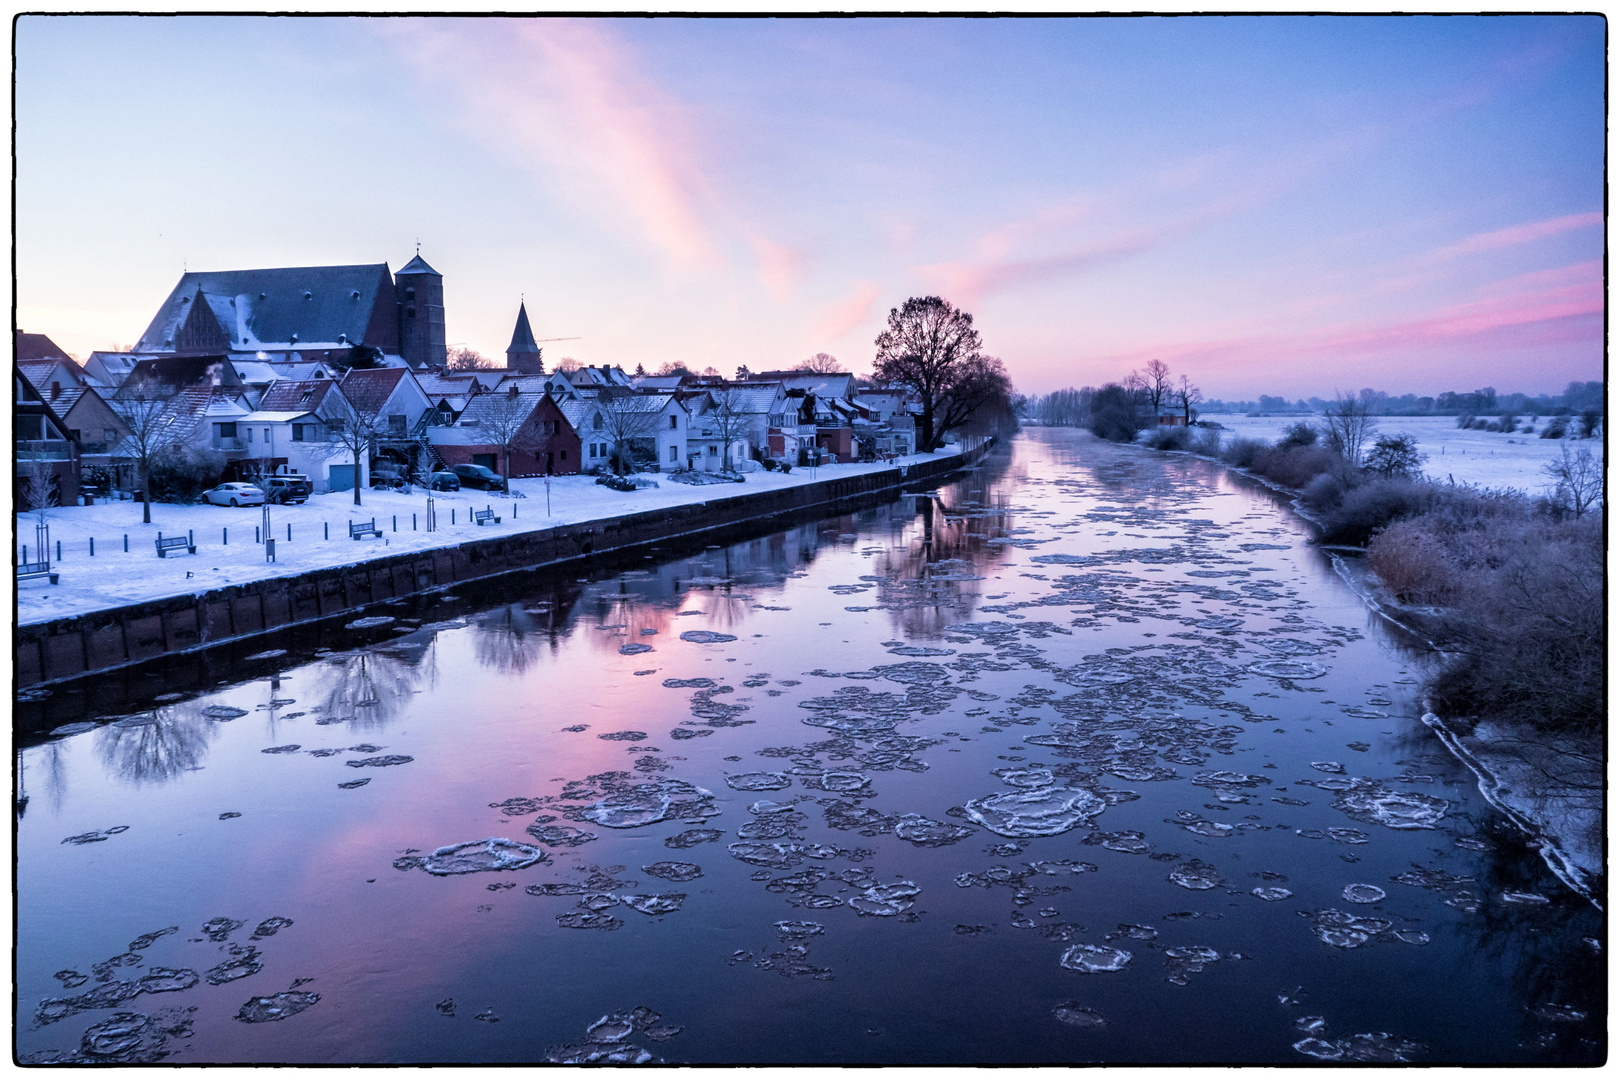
(1089, 738)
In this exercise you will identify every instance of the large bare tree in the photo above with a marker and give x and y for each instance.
(144, 407)
(1156, 384)
(502, 418)
(352, 433)
(926, 348)
(462, 358)
(1185, 396)
(1577, 479)
(726, 420)
(821, 364)
(979, 396)
(628, 418)
(1350, 423)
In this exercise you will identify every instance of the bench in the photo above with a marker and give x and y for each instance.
(358, 529)
(482, 516)
(166, 544)
(35, 569)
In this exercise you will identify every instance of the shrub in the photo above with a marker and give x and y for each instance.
(1240, 452)
(617, 483)
(1113, 415)
(1465, 421)
(1207, 442)
(1555, 429)
(1413, 563)
(183, 473)
(1396, 455)
(1302, 433)
(1367, 508)
(1169, 438)
(1294, 465)
(1591, 420)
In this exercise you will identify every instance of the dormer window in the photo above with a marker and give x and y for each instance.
(410, 293)
(307, 395)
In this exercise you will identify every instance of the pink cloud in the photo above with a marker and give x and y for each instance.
(781, 268)
(846, 315)
(565, 98)
(1517, 234)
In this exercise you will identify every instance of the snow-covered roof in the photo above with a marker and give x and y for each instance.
(368, 389)
(578, 413)
(274, 416)
(290, 307)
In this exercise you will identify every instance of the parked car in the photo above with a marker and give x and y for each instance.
(477, 476)
(444, 481)
(287, 488)
(236, 494)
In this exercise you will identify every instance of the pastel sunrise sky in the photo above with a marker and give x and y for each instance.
(1270, 205)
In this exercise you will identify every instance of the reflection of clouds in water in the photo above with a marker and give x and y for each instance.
(367, 689)
(154, 747)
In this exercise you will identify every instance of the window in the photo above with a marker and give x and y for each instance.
(227, 431)
(307, 395)
(713, 450)
(565, 455)
(673, 424)
(674, 452)
(597, 426)
(250, 434)
(298, 432)
(111, 433)
(396, 423)
(267, 436)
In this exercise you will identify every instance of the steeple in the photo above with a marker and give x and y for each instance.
(523, 355)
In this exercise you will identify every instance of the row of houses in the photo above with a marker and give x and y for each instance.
(338, 373)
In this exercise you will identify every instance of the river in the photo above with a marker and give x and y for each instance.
(1084, 756)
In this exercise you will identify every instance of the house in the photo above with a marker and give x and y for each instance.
(448, 393)
(590, 427)
(754, 408)
(513, 433)
(596, 378)
(89, 421)
(304, 313)
(393, 404)
(109, 369)
(44, 450)
(650, 428)
(294, 429)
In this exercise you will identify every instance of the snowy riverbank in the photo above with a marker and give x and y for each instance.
(227, 554)
(1487, 458)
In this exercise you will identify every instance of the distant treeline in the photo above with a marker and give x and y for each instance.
(1576, 398)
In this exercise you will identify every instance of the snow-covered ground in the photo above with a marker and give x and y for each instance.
(1468, 457)
(227, 555)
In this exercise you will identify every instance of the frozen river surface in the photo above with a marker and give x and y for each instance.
(1084, 757)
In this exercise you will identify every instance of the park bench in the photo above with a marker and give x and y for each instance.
(35, 569)
(166, 544)
(358, 529)
(482, 516)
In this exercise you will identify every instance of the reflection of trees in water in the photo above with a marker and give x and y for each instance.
(368, 689)
(154, 747)
(921, 597)
(508, 639)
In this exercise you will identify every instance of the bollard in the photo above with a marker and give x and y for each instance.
(326, 531)
(289, 532)
(126, 542)
(25, 553)
(514, 511)
(257, 539)
(59, 551)
(396, 523)
(191, 537)
(92, 547)
(452, 515)
(225, 535)
(413, 521)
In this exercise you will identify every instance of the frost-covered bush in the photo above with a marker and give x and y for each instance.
(1240, 452)
(1465, 421)
(617, 483)
(1113, 414)
(1591, 421)
(1556, 428)
(1301, 433)
(1413, 563)
(1294, 465)
(1207, 442)
(1395, 455)
(1169, 438)
(1367, 508)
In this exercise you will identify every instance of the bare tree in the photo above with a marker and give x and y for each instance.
(502, 419)
(567, 364)
(926, 348)
(1186, 395)
(144, 407)
(821, 364)
(461, 358)
(1156, 384)
(1577, 480)
(352, 434)
(980, 396)
(1349, 425)
(34, 484)
(726, 420)
(628, 418)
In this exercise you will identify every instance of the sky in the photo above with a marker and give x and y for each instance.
(1278, 205)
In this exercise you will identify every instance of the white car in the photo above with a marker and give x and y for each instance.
(235, 495)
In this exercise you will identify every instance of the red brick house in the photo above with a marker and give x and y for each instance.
(543, 442)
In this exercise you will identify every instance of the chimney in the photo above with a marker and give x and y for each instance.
(56, 390)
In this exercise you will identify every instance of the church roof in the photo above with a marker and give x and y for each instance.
(523, 337)
(303, 306)
(418, 266)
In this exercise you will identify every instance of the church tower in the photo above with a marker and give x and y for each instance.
(419, 292)
(523, 355)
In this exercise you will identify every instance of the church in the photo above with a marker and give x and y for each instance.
(304, 314)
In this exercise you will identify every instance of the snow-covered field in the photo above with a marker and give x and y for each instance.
(227, 555)
(1468, 457)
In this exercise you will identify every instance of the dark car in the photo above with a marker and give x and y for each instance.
(444, 481)
(289, 488)
(477, 476)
